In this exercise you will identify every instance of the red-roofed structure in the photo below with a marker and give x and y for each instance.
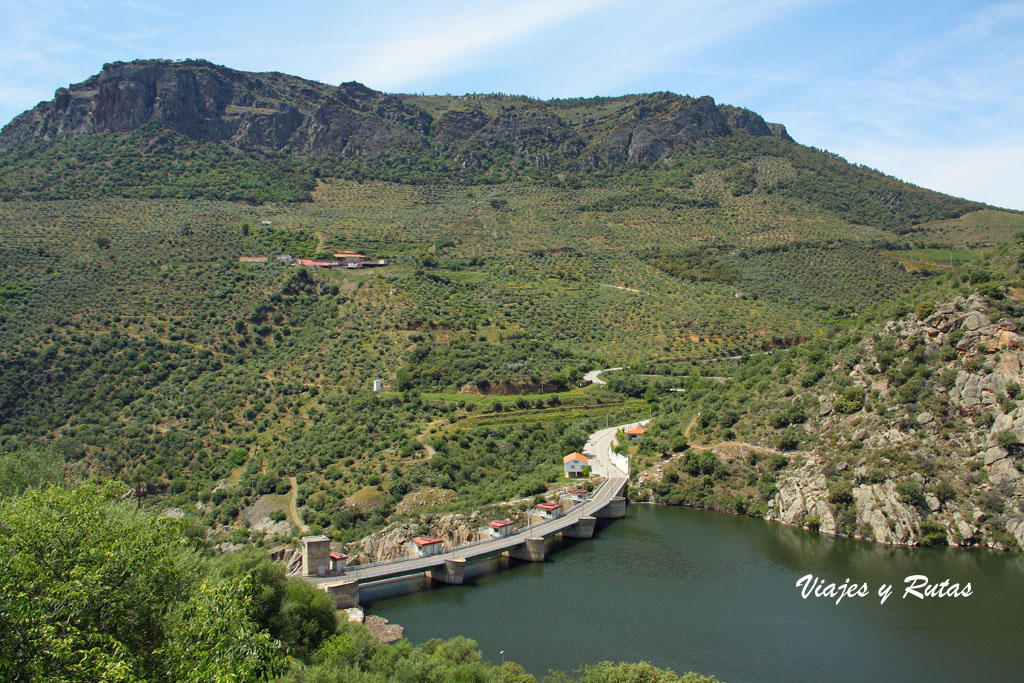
(636, 431)
(550, 510)
(425, 546)
(422, 541)
(337, 561)
(500, 528)
(577, 495)
(310, 263)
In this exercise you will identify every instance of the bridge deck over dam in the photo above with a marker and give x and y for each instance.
(525, 543)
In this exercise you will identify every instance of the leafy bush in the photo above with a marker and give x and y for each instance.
(932, 533)
(840, 492)
(911, 493)
(1007, 439)
(136, 608)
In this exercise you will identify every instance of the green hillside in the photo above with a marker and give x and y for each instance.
(528, 242)
(902, 428)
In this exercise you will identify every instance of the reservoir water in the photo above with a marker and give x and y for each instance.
(699, 591)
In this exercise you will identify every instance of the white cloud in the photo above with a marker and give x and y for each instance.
(659, 41)
(439, 43)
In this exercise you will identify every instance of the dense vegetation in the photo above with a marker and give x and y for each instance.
(746, 281)
(877, 403)
(136, 345)
(149, 163)
(93, 588)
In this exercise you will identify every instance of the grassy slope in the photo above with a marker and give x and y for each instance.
(134, 341)
(851, 408)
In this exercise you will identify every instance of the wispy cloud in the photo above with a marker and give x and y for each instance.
(432, 44)
(663, 41)
(967, 81)
(882, 92)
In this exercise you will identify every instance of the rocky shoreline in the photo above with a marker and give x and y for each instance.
(941, 466)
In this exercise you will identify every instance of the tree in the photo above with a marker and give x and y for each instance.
(213, 637)
(840, 492)
(911, 493)
(266, 582)
(94, 589)
(307, 618)
(21, 468)
(403, 379)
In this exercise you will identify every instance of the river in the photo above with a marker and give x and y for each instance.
(700, 591)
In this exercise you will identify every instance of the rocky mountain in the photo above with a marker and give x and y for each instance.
(911, 436)
(271, 112)
(159, 128)
(964, 425)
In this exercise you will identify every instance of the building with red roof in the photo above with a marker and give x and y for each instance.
(550, 510)
(577, 495)
(425, 546)
(337, 561)
(500, 528)
(635, 432)
(310, 263)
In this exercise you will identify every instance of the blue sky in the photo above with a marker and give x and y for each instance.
(931, 92)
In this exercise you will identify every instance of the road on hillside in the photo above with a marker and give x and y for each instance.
(293, 509)
(593, 375)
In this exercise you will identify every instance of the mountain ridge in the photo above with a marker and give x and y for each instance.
(274, 112)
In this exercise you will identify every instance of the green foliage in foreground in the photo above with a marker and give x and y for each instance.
(354, 656)
(92, 589)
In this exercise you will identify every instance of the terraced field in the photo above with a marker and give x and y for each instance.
(133, 341)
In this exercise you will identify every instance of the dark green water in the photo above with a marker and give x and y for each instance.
(694, 590)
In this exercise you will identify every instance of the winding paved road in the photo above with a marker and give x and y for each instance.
(593, 375)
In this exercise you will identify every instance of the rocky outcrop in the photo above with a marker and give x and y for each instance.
(271, 112)
(880, 507)
(657, 125)
(291, 558)
(383, 630)
(393, 541)
(972, 416)
(802, 495)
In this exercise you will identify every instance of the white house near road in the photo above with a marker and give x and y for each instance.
(500, 528)
(425, 546)
(574, 464)
(636, 432)
(549, 510)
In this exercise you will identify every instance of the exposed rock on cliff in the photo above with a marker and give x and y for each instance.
(957, 423)
(393, 541)
(915, 436)
(272, 112)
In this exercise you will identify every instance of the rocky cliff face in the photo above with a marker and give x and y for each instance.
(961, 439)
(393, 541)
(270, 112)
(914, 436)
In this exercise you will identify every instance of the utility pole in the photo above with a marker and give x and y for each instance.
(502, 653)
